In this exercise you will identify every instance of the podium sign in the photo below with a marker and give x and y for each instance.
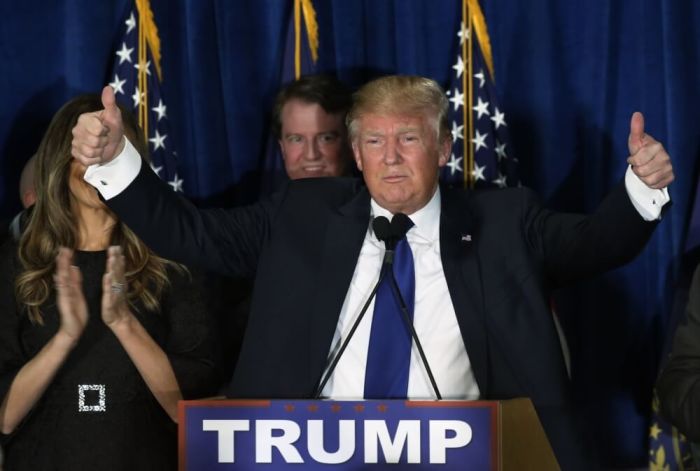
(347, 435)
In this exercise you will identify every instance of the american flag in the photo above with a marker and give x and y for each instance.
(135, 78)
(481, 152)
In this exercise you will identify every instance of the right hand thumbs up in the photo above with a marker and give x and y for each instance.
(99, 136)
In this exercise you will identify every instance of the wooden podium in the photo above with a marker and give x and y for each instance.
(349, 435)
(522, 442)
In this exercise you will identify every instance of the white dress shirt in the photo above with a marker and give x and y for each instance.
(434, 317)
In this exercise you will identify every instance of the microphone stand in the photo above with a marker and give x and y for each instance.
(386, 263)
(414, 335)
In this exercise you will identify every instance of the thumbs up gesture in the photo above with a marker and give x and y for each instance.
(648, 158)
(98, 136)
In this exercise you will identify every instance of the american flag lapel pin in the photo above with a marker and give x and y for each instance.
(466, 238)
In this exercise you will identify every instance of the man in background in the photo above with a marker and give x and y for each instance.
(308, 120)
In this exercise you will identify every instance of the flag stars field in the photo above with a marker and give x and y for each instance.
(139, 90)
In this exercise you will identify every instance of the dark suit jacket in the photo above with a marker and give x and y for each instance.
(303, 245)
(678, 386)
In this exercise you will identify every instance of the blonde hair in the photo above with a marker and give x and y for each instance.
(401, 94)
(52, 223)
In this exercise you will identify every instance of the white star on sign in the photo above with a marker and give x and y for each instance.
(480, 76)
(176, 183)
(481, 108)
(454, 164)
(501, 150)
(498, 118)
(125, 53)
(157, 141)
(479, 141)
(160, 109)
(459, 66)
(457, 131)
(130, 23)
(457, 99)
(478, 172)
(117, 85)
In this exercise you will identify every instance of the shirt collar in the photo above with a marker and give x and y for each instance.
(426, 220)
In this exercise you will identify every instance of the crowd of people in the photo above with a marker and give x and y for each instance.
(104, 321)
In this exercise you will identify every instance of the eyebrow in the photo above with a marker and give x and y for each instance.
(405, 129)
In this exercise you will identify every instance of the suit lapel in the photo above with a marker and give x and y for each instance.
(341, 248)
(460, 262)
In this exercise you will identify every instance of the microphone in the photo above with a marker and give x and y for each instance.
(382, 230)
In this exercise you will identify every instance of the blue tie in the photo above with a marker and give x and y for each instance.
(389, 354)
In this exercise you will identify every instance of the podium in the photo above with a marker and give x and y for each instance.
(367, 435)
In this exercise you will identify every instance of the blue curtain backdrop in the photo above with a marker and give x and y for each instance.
(570, 74)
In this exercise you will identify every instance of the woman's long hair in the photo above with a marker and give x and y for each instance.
(53, 224)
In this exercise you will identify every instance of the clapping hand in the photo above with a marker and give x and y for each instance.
(114, 288)
(70, 300)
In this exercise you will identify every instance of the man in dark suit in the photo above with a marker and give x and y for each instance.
(484, 262)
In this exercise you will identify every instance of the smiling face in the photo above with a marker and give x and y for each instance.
(400, 157)
(313, 142)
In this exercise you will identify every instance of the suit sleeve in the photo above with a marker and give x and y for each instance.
(227, 241)
(575, 246)
(678, 386)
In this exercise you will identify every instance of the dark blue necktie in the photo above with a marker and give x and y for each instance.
(389, 353)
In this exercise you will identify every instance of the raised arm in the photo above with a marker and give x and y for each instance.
(227, 241)
(577, 246)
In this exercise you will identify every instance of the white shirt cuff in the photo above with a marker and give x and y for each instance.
(112, 178)
(647, 201)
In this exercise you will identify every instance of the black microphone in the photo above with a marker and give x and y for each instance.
(382, 230)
